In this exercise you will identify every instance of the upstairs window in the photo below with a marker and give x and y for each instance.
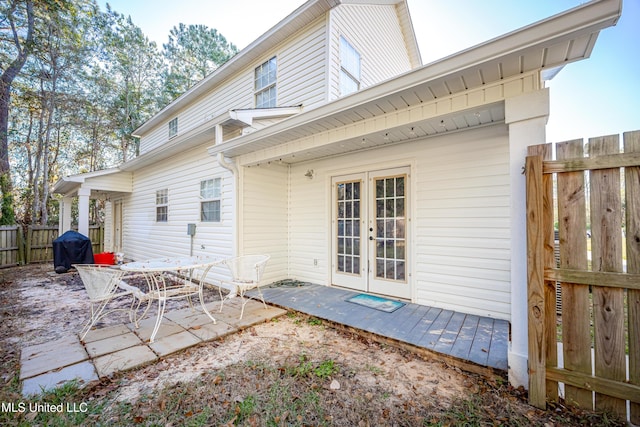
(210, 196)
(349, 68)
(173, 127)
(265, 84)
(162, 205)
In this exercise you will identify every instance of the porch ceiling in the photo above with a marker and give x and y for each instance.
(478, 117)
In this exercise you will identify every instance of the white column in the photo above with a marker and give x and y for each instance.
(64, 221)
(527, 117)
(83, 211)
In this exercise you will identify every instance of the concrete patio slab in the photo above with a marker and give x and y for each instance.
(188, 319)
(167, 327)
(103, 333)
(174, 343)
(210, 331)
(38, 359)
(123, 360)
(112, 344)
(37, 350)
(84, 372)
(118, 348)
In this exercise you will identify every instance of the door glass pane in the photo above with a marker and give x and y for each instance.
(390, 187)
(348, 227)
(400, 187)
(390, 228)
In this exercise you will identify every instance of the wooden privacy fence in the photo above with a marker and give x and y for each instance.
(36, 245)
(586, 348)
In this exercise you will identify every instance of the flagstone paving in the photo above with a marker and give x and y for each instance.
(112, 349)
(473, 340)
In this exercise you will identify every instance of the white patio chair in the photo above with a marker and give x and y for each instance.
(246, 272)
(103, 285)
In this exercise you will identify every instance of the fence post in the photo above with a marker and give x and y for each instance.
(22, 260)
(27, 249)
(535, 282)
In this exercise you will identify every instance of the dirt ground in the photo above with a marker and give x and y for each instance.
(366, 384)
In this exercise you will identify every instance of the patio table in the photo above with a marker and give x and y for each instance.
(172, 278)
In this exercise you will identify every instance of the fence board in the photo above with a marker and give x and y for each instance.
(37, 245)
(548, 242)
(9, 245)
(576, 336)
(632, 228)
(606, 255)
(600, 298)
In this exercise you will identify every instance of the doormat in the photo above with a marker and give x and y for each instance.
(371, 301)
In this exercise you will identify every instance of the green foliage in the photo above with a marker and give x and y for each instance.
(306, 368)
(314, 321)
(90, 78)
(326, 369)
(193, 52)
(7, 215)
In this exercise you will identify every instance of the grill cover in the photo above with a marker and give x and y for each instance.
(71, 248)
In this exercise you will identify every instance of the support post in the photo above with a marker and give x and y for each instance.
(83, 211)
(64, 224)
(526, 115)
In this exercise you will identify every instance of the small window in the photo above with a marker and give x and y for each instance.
(349, 68)
(173, 127)
(210, 195)
(265, 84)
(162, 205)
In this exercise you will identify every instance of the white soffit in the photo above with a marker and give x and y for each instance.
(545, 45)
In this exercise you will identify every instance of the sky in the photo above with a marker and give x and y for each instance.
(594, 97)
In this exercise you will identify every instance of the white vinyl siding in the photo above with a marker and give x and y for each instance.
(181, 175)
(301, 81)
(381, 57)
(265, 216)
(460, 225)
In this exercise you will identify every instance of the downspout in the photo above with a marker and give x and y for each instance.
(231, 166)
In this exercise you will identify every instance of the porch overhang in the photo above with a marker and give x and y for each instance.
(458, 92)
(108, 180)
(87, 186)
(239, 119)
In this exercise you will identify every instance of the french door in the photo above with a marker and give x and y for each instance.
(370, 230)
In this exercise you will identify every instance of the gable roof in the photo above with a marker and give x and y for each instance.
(546, 45)
(297, 20)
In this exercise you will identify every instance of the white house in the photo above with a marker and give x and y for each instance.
(328, 145)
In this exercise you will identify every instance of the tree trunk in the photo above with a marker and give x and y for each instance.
(6, 80)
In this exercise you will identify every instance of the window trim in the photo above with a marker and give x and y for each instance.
(173, 127)
(344, 71)
(270, 85)
(216, 197)
(162, 203)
